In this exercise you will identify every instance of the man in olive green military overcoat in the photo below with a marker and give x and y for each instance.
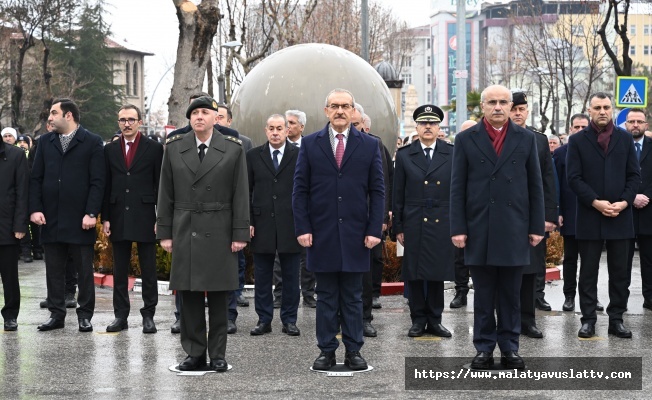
(203, 215)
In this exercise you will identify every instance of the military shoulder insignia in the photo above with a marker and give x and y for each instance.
(234, 140)
(173, 139)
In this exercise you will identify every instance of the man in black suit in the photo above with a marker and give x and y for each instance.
(636, 124)
(497, 215)
(537, 266)
(66, 191)
(567, 212)
(133, 169)
(604, 174)
(296, 121)
(271, 178)
(13, 226)
(420, 220)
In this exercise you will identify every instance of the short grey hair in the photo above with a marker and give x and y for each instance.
(359, 108)
(493, 87)
(554, 138)
(338, 90)
(301, 116)
(366, 120)
(274, 116)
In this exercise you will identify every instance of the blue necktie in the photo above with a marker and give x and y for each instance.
(428, 158)
(275, 159)
(638, 151)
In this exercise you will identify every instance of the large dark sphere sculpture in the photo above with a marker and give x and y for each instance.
(300, 77)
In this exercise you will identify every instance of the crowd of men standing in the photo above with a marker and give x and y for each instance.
(315, 209)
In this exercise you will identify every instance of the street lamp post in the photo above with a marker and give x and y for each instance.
(151, 99)
(220, 79)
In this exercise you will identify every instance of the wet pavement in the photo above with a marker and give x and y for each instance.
(68, 364)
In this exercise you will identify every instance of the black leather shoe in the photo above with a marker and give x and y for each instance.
(438, 330)
(277, 302)
(117, 325)
(325, 361)
(599, 306)
(27, 257)
(511, 360)
(619, 330)
(261, 329)
(368, 330)
(231, 327)
(647, 304)
(51, 324)
(148, 325)
(38, 255)
(242, 301)
(85, 325)
(310, 301)
(569, 304)
(43, 304)
(70, 300)
(11, 325)
(459, 300)
(542, 304)
(192, 363)
(219, 364)
(586, 331)
(417, 330)
(482, 360)
(354, 360)
(176, 327)
(375, 303)
(291, 330)
(531, 331)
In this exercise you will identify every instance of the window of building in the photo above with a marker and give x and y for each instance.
(428, 61)
(135, 91)
(407, 78)
(428, 43)
(632, 29)
(428, 79)
(428, 97)
(632, 50)
(646, 30)
(646, 50)
(408, 61)
(127, 76)
(577, 30)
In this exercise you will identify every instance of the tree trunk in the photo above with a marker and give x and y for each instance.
(197, 27)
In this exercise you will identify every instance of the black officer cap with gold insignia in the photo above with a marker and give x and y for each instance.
(428, 113)
(201, 102)
(518, 98)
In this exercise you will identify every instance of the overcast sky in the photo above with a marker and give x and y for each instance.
(152, 26)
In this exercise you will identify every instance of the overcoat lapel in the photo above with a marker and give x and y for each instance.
(647, 147)
(441, 156)
(417, 156)
(324, 141)
(481, 139)
(512, 141)
(213, 156)
(266, 158)
(351, 144)
(143, 146)
(290, 149)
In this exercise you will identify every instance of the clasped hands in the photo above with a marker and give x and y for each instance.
(609, 209)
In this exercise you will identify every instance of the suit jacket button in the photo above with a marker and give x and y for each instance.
(493, 178)
(513, 161)
(194, 234)
(340, 220)
(127, 190)
(339, 198)
(425, 183)
(275, 180)
(425, 220)
(272, 215)
(208, 187)
(208, 235)
(128, 173)
(127, 208)
(438, 182)
(492, 201)
(274, 197)
(193, 187)
(339, 175)
(436, 220)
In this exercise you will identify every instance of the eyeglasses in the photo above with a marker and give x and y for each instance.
(493, 103)
(124, 121)
(426, 123)
(344, 107)
(639, 122)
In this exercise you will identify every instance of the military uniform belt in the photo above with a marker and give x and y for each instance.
(428, 203)
(201, 207)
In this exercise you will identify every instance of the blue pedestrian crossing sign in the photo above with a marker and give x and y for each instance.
(631, 91)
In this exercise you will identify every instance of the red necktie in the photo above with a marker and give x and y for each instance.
(339, 149)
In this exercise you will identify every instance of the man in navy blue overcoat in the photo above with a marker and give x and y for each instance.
(338, 204)
(497, 215)
(603, 171)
